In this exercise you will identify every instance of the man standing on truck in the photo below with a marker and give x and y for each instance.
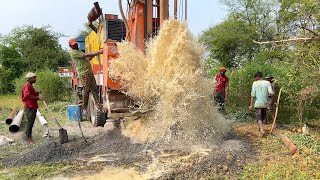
(221, 88)
(261, 89)
(82, 61)
(30, 99)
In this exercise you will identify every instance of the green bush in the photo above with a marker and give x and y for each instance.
(292, 79)
(52, 87)
(240, 83)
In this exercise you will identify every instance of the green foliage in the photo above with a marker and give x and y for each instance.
(294, 14)
(295, 99)
(295, 65)
(28, 48)
(260, 15)
(240, 82)
(306, 142)
(52, 87)
(276, 170)
(230, 42)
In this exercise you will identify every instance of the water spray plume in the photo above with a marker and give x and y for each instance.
(169, 79)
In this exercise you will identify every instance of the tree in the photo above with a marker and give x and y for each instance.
(28, 48)
(230, 42)
(295, 14)
(295, 64)
(259, 14)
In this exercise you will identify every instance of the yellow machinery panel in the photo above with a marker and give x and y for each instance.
(92, 43)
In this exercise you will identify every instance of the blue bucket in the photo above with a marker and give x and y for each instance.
(74, 112)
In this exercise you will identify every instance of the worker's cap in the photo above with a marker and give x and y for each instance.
(223, 69)
(72, 42)
(269, 76)
(30, 75)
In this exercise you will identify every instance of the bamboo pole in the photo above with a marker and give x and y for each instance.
(276, 113)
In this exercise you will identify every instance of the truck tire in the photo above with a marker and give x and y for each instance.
(97, 117)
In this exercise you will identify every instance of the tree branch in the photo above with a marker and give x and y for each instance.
(285, 40)
(312, 31)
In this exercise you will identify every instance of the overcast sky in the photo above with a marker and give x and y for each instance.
(68, 16)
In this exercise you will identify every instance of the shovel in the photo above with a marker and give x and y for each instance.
(63, 134)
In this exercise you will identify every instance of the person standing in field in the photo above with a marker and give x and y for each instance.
(221, 87)
(261, 90)
(82, 61)
(30, 99)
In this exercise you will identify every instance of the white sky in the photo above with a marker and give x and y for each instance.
(68, 16)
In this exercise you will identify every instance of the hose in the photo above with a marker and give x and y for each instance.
(124, 20)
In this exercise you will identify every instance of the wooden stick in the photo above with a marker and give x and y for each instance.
(276, 113)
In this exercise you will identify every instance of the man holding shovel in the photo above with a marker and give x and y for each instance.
(261, 89)
(30, 99)
(82, 61)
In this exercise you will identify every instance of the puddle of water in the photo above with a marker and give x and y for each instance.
(113, 174)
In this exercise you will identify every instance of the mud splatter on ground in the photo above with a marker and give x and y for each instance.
(224, 162)
(150, 161)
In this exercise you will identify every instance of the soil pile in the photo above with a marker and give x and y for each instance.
(121, 149)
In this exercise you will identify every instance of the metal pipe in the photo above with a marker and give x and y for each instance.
(11, 116)
(146, 20)
(175, 9)
(15, 125)
(150, 18)
(93, 15)
(186, 10)
(96, 5)
(91, 26)
(124, 20)
(41, 119)
(44, 123)
(162, 11)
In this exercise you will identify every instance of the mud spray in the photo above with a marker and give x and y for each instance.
(169, 79)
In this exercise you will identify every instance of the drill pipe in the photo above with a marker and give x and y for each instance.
(15, 125)
(11, 116)
(41, 119)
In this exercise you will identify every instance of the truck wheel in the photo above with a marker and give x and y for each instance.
(97, 117)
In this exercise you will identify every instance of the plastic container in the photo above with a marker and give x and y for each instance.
(74, 112)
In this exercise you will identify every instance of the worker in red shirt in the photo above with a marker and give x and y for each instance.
(29, 98)
(221, 89)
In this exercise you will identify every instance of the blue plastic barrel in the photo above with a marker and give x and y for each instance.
(74, 112)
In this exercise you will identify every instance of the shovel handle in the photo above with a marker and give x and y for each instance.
(56, 121)
(85, 140)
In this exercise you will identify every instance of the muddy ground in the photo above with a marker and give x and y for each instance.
(111, 148)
